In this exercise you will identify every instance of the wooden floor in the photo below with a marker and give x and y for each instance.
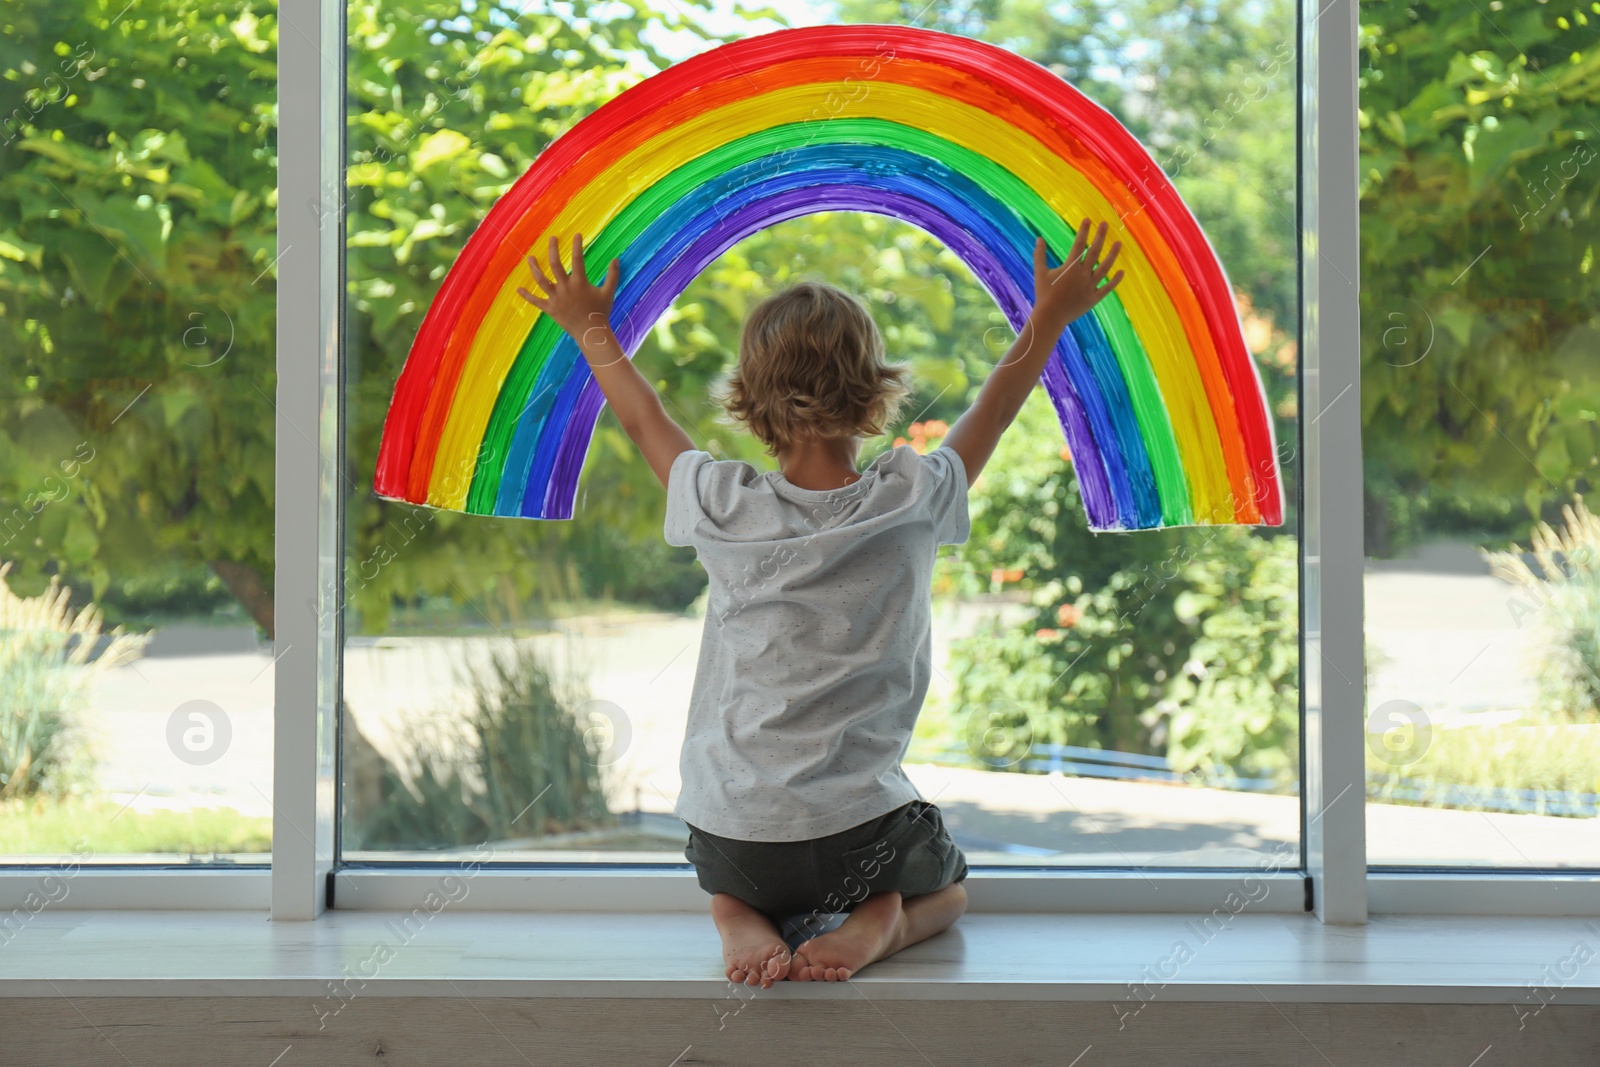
(1091, 990)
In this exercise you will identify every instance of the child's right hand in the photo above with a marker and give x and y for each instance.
(576, 305)
(1064, 293)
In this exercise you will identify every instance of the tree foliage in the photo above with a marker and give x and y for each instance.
(137, 293)
(135, 268)
(1479, 130)
(137, 236)
(1181, 642)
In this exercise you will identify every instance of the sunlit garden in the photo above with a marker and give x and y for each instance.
(523, 681)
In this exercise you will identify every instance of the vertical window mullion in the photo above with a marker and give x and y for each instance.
(1332, 554)
(306, 591)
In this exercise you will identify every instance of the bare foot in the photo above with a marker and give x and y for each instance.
(875, 929)
(751, 945)
(881, 925)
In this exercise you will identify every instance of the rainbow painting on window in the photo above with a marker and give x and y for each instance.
(1158, 397)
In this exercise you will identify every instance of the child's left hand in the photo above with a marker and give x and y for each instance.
(570, 299)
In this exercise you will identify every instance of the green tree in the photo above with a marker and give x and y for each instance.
(1181, 642)
(137, 233)
(447, 108)
(137, 243)
(136, 256)
(409, 221)
(1479, 132)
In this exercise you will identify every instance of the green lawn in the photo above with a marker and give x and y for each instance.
(85, 827)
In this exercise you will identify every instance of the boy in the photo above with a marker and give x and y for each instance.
(816, 651)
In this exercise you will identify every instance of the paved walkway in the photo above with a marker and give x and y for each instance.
(1447, 643)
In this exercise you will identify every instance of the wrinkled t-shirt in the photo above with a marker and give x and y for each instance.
(818, 644)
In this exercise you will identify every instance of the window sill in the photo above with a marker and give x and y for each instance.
(1121, 958)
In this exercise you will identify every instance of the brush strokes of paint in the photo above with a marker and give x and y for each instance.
(651, 222)
(949, 207)
(995, 254)
(427, 378)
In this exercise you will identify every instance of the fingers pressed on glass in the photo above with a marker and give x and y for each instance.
(1110, 259)
(1078, 242)
(1099, 239)
(555, 258)
(538, 275)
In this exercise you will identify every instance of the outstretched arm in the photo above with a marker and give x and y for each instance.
(584, 311)
(1060, 296)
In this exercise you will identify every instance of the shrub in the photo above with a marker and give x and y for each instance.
(530, 768)
(1236, 705)
(1203, 668)
(1565, 598)
(1173, 642)
(47, 659)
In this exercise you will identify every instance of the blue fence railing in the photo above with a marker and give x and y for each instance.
(1488, 798)
(1107, 763)
(1137, 766)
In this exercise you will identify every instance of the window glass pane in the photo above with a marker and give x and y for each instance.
(137, 241)
(1112, 699)
(1480, 392)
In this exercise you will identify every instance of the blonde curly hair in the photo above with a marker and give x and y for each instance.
(811, 364)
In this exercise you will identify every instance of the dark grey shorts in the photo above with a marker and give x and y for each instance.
(908, 850)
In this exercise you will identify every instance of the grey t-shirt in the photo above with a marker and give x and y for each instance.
(818, 640)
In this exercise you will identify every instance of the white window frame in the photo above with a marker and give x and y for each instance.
(1334, 881)
(1330, 877)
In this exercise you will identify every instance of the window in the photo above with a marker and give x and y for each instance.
(1479, 399)
(1097, 700)
(137, 302)
(189, 445)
